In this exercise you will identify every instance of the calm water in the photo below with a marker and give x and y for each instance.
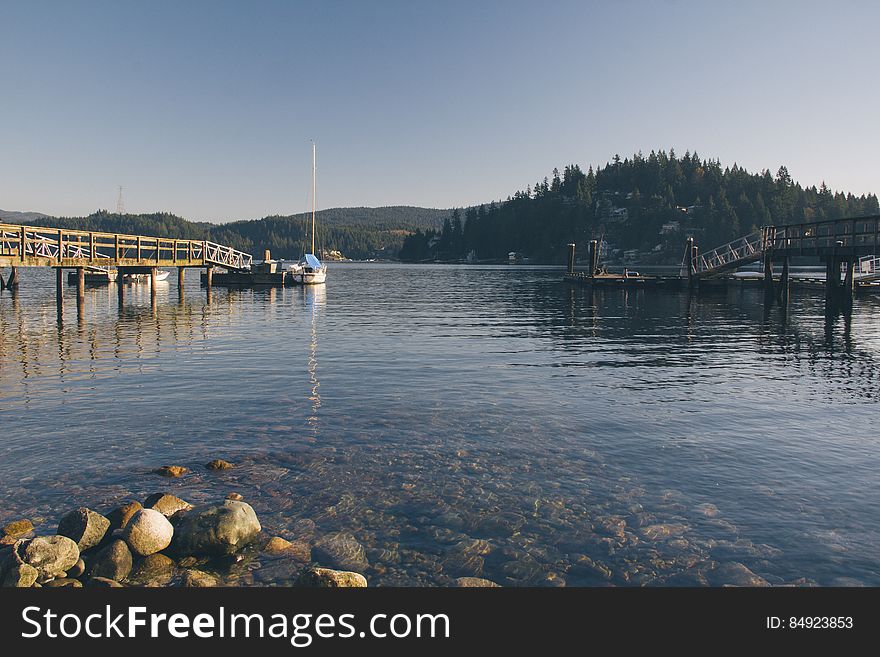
(464, 421)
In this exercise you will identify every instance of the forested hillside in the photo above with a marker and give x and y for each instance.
(356, 232)
(647, 205)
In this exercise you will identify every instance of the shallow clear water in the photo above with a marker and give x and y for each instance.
(464, 421)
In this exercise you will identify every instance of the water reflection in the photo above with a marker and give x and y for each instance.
(315, 297)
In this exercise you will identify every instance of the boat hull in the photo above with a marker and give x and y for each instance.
(311, 278)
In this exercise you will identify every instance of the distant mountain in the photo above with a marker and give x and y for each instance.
(356, 232)
(10, 216)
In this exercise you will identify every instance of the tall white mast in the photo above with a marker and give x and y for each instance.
(314, 189)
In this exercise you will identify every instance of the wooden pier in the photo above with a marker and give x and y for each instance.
(850, 249)
(94, 252)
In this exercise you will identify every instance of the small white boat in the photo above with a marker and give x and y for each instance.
(161, 275)
(311, 270)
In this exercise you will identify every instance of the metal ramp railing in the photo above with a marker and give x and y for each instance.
(732, 255)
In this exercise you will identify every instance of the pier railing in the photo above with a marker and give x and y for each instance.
(734, 254)
(860, 235)
(35, 246)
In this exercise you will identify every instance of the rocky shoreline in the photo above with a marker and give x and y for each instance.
(165, 541)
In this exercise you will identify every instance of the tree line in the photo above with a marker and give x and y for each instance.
(358, 233)
(647, 203)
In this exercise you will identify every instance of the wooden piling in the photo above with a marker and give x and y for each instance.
(2, 282)
(80, 284)
(153, 271)
(571, 258)
(59, 285)
(768, 271)
(209, 276)
(784, 280)
(832, 274)
(850, 279)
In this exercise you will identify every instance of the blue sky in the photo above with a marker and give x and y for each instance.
(206, 109)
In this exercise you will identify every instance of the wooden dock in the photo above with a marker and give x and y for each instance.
(88, 251)
(849, 248)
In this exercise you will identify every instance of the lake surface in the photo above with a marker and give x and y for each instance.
(463, 421)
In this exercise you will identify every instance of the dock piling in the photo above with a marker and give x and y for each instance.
(782, 293)
(594, 257)
(849, 282)
(571, 258)
(80, 284)
(768, 271)
(59, 285)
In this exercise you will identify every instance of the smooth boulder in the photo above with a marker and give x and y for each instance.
(147, 532)
(84, 526)
(215, 530)
(154, 570)
(113, 562)
(121, 515)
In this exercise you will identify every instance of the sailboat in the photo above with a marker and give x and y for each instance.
(310, 270)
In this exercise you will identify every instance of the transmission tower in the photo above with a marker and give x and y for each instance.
(120, 204)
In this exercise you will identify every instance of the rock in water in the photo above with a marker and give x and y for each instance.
(277, 545)
(216, 530)
(734, 574)
(299, 550)
(148, 532)
(237, 497)
(166, 504)
(327, 578)
(85, 527)
(198, 579)
(18, 528)
(113, 562)
(120, 516)
(475, 582)
(21, 576)
(172, 471)
(341, 550)
(50, 555)
(154, 570)
(219, 464)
